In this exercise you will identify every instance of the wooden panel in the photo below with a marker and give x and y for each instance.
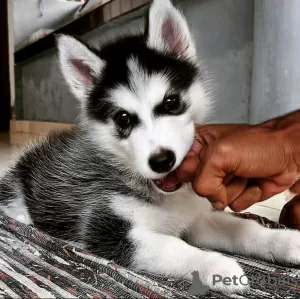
(138, 3)
(22, 131)
(21, 139)
(36, 127)
(106, 12)
(115, 8)
(125, 6)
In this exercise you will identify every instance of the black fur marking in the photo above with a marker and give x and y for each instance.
(75, 177)
(108, 236)
(181, 73)
(40, 186)
(8, 188)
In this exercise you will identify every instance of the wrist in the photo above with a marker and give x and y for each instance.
(292, 137)
(286, 130)
(289, 135)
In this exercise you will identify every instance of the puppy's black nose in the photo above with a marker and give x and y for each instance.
(163, 161)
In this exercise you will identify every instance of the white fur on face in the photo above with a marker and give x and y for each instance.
(153, 133)
(168, 32)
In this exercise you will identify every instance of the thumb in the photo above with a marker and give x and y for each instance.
(188, 169)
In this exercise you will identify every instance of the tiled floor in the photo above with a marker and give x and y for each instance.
(270, 208)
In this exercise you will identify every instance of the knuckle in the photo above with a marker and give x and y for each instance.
(235, 207)
(223, 149)
(203, 190)
(217, 155)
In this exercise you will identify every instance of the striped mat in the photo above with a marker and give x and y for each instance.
(34, 265)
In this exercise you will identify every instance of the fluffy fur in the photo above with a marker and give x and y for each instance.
(140, 98)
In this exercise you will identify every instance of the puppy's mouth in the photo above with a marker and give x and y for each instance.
(169, 183)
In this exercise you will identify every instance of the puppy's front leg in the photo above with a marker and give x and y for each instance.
(220, 230)
(170, 256)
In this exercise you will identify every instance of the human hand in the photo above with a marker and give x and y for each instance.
(239, 165)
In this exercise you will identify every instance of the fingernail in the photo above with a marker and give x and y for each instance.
(218, 206)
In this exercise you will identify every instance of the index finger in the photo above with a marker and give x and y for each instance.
(187, 170)
(216, 131)
(209, 181)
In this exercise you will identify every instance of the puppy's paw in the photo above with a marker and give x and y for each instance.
(284, 247)
(223, 274)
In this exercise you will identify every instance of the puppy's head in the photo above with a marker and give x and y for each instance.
(141, 95)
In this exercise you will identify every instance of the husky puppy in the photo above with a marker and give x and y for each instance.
(110, 185)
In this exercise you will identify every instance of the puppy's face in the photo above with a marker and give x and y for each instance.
(141, 95)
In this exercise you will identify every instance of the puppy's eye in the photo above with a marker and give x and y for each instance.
(123, 119)
(171, 104)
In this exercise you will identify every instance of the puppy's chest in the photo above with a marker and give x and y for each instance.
(173, 217)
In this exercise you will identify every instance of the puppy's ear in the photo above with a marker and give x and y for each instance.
(167, 30)
(79, 65)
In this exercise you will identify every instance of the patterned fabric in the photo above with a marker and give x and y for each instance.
(261, 220)
(34, 265)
